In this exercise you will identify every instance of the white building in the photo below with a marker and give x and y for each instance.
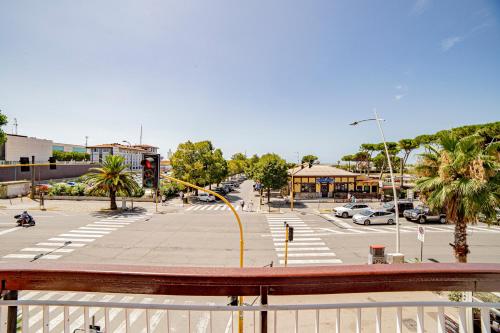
(148, 148)
(18, 146)
(133, 156)
(68, 148)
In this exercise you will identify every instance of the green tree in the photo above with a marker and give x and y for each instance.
(348, 159)
(369, 148)
(406, 146)
(237, 164)
(461, 177)
(251, 164)
(112, 177)
(271, 172)
(3, 122)
(309, 159)
(199, 163)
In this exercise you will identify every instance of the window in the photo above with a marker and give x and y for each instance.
(308, 188)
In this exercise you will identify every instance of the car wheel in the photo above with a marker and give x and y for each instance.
(421, 220)
(442, 220)
(345, 215)
(367, 222)
(390, 221)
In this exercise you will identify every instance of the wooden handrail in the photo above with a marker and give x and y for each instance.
(205, 281)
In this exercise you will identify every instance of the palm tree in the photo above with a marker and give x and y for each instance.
(461, 177)
(111, 178)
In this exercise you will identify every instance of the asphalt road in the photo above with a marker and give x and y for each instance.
(180, 236)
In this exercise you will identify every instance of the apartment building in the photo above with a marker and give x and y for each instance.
(133, 155)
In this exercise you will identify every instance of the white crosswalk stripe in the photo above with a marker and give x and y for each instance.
(211, 207)
(305, 249)
(67, 242)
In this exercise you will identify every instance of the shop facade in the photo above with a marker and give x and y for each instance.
(324, 181)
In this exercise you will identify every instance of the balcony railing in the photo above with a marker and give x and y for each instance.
(64, 315)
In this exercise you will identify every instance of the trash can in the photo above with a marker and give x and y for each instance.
(377, 254)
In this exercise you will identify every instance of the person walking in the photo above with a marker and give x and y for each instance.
(242, 203)
(181, 195)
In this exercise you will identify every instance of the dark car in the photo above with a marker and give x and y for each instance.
(221, 191)
(402, 206)
(423, 214)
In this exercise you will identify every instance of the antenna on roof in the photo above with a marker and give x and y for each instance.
(140, 136)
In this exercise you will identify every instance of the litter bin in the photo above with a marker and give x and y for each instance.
(377, 254)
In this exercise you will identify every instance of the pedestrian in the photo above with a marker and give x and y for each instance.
(353, 198)
(349, 197)
(181, 195)
(250, 206)
(242, 203)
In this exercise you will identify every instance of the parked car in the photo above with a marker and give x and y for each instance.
(402, 206)
(423, 214)
(350, 209)
(368, 217)
(203, 196)
(221, 190)
(71, 183)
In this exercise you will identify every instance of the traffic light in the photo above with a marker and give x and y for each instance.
(290, 234)
(24, 160)
(150, 170)
(52, 163)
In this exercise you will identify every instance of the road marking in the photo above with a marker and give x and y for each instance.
(332, 231)
(79, 235)
(355, 230)
(375, 230)
(296, 232)
(321, 254)
(105, 226)
(294, 249)
(46, 249)
(90, 232)
(61, 244)
(218, 207)
(299, 244)
(71, 239)
(31, 256)
(203, 207)
(113, 223)
(97, 228)
(197, 207)
(483, 229)
(190, 208)
(210, 207)
(312, 261)
(298, 239)
(9, 230)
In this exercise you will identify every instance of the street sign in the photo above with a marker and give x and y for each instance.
(421, 233)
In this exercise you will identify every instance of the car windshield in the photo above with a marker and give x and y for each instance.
(388, 205)
(366, 212)
(349, 205)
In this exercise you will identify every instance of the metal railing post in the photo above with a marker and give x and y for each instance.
(11, 312)
(263, 314)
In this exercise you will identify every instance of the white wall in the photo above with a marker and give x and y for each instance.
(18, 146)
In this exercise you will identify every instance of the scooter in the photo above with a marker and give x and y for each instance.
(24, 220)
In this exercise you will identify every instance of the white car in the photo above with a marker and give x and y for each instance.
(350, 209)
(368, 217)
(203, 196)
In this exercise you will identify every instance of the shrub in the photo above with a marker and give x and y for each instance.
(78, 190)
(60, 189)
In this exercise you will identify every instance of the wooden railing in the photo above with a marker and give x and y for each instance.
(204, 281)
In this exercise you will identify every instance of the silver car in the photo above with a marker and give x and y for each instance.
(368, 217)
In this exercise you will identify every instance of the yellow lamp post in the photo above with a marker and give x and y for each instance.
(242, 244)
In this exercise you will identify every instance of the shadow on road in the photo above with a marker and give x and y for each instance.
(111, 213)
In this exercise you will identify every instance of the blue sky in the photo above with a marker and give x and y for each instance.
(255, 76)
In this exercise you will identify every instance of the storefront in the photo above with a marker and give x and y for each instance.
(324, 181)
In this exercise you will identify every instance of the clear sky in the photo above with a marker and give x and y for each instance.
(256, 76)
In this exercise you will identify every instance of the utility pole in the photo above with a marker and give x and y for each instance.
(15, 126)
(140, 136)
(32, 194)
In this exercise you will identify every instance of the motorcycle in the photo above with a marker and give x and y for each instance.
(24, 220)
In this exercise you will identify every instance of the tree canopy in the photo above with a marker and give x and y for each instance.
(199, 163)
(271, 172)
(3, 122)
(309, 159)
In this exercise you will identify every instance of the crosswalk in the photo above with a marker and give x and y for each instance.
(305, 249)
(40, 319)
(348, 229)
(67, 242)
(212, 207)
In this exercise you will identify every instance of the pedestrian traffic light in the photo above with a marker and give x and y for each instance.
(150, 170)
(52, 163)
(24, 160)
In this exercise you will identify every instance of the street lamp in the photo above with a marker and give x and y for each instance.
(396, 208)
(127, 142)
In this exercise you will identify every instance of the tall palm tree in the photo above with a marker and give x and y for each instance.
(462, 178)
(111, 178)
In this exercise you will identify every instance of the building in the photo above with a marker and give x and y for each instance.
(18, 146)
(68, 148)
(324, 181)
(148, 148)
(133, 155)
